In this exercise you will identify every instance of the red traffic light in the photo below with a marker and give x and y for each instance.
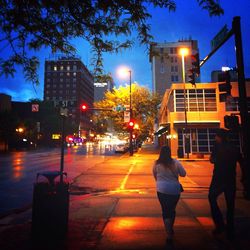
(84, 107)
(131, 124)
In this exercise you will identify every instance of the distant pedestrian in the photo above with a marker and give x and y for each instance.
(166, 171)
(224, 156)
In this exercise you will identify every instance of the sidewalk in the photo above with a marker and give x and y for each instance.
(122, 212)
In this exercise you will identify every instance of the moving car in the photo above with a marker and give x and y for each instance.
(121, 147)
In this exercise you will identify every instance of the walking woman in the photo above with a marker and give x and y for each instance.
(166, 171)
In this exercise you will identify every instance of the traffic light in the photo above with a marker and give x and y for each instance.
(191, 77)
(195, 71)
(84, 107)
(196, 63)
(131, 124)
(231, 122)
(224, 87)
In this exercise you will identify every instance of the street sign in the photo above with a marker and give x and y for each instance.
(219, 38)
(126, 116)
(35, 107)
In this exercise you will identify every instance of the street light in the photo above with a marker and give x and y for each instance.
(184, 52)
(122, 71)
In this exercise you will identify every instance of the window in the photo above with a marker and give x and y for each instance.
(55, 68)
(162, 59)
(61, 86)
(68, 67)
(61, 67)
(48, 79)
(172, 78)
(68, 74)
(176, 79)
(161, 50)
(48, 86)
(172, 68)
(203, 100)
(74, 79)
(61, 74)
(48, 67)
(74, 74)
(61, 80)
(162, 70)
(202, 139)
(175, 68)
(74, 86)
(171, 50)
(74, 67)
(54, 86)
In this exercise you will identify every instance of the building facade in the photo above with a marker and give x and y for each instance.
(100, 88)
(67, 82)
(204, 115)
(166, 63)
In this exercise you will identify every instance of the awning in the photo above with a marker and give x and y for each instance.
(161, 131)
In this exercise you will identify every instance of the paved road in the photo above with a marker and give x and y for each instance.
(18, 170)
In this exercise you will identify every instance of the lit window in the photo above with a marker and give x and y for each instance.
(68, 74)
(61, 67)
(55, 68)
(74, 74)
(68, 67)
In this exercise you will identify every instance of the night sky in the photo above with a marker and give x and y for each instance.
(188, 21)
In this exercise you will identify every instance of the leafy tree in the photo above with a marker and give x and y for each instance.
(144, 108)
(27, 26)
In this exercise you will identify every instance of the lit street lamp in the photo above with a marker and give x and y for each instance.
(122, 71)
(184, 52)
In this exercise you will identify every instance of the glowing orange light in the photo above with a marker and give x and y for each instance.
(184, 51)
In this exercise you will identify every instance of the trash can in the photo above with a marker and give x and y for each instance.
(50, 207)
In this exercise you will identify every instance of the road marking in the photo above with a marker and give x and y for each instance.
(126, 177)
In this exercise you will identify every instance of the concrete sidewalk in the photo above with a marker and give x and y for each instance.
(122, 212)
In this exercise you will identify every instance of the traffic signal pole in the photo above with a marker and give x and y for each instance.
(245, 125)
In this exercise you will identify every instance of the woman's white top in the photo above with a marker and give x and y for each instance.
(167, 180)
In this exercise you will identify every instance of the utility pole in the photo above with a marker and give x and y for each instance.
(245, 125)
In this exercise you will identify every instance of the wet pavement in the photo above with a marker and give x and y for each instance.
(122, 212)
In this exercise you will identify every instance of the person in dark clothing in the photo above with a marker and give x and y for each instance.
(224, 156)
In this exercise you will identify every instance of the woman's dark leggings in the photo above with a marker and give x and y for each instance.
(168, 204)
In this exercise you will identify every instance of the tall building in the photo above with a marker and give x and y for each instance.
(166, 63)
(101, 87)
(216, 75)
(67, 82)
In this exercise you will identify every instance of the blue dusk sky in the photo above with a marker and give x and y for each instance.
(189, 20)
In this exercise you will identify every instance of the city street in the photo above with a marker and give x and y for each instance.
(18, 170)
(113, 205)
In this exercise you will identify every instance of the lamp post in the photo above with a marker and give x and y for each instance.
(184, 52)
(131, 151)
(122, 71)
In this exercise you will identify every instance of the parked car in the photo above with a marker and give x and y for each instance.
(121, 147)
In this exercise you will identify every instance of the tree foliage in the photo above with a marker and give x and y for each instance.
(144, 108)
(27, 26)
